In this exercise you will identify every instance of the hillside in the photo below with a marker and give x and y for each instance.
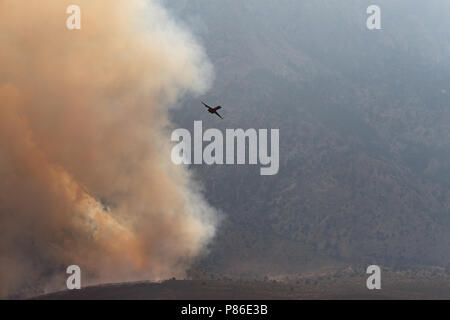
(329, 284)
(364, 133)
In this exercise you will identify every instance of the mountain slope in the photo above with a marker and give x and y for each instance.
(364, 121)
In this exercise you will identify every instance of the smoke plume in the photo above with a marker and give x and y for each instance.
(85, 170)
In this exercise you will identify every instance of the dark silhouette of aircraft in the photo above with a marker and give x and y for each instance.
(213, 110)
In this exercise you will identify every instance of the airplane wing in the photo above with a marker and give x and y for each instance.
(206, 105)
(218, 115)
(217, 108)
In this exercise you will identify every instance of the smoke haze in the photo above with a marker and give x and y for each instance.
(85, 171)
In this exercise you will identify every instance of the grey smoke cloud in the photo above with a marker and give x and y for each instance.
(85, 170)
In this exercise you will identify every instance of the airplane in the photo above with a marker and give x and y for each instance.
(213, 110)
